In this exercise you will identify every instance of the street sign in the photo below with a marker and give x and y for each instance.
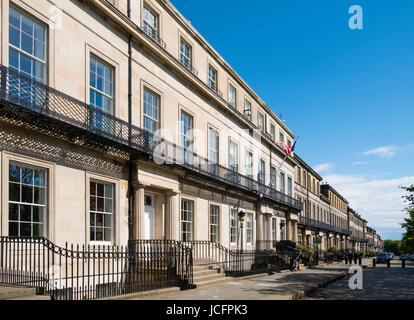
(317, 240)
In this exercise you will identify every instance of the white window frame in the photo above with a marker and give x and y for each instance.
(217, 225)
(30, 204)
(234, 228)
(158, 106)
(113, 209)
(232, 96)
(189, 223)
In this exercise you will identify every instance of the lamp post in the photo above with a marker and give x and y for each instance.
(242, 216)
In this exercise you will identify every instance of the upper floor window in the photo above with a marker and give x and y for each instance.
(101, 85)
(232, 96)
(282, 182)
(272, 132)
(151, 111)
(187, 139)
(261, 173)
(213, 147)
(212, 78)
(290, 188)
(27, 201)
(233, 156)
(248, 109)
(101, 211)
(273, 177)
(185, 54)
(151, 23)
(260, 122)
(289, 143)
(249, 164)
(299, 178)
(27, 46)
(282, 137)
(304, 178)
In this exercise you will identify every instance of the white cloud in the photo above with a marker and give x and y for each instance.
(323, 167)
(360, 163)
(383, 152)
(379, 201)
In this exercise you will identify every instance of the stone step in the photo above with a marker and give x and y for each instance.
(199, 279)
(203, 272)
(214, 281)
(45, 298)
(16, 292)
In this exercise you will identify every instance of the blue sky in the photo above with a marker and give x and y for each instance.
(349, 94)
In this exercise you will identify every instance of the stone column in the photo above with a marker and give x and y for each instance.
(139, 212)
(269, 231)
(295, 231)
(259, 228)
(288, 228)
(172, 219)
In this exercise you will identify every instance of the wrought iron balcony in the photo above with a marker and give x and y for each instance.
(306, 221)
(43, 108)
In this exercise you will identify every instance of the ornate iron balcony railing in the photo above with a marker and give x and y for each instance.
(306, 221)
(39, 104)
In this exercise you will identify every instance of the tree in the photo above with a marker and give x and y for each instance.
(392, 246)
(407, 242)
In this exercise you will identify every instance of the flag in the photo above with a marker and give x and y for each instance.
(288, 150)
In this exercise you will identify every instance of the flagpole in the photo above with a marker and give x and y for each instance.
(284, 160)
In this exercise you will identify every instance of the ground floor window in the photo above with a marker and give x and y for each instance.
(274, 229)
(187, 214)
(282, 230)
(233, 226)
(249, 228)
(214, 223)
(101, 211)
(27, 201)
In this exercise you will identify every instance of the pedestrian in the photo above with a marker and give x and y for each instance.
(356, 258)
(350, 256)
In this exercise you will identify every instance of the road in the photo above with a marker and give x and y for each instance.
(380, 283)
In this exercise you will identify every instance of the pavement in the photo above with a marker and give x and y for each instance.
(279, 286)
(380, 283)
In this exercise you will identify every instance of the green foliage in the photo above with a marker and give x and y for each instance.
(307, 254)
(333, 249)
(407, 242)
(392, 246)
(363, 254)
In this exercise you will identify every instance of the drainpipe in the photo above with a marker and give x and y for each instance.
(131, 235)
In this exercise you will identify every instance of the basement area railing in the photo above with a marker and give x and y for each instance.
(94, 272)
(26, 99)
(242, 262)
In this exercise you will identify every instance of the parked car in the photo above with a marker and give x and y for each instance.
(403, 256)
(383, 257)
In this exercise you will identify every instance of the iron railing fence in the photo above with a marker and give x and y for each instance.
(242, 262)
(306, 221)
(23, 96)
(93, 272)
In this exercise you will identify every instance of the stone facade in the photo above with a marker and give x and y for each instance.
(144, 63)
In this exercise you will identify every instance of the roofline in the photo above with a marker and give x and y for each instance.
(336, 192)
(308, 167)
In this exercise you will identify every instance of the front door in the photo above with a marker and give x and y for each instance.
(149, 217)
